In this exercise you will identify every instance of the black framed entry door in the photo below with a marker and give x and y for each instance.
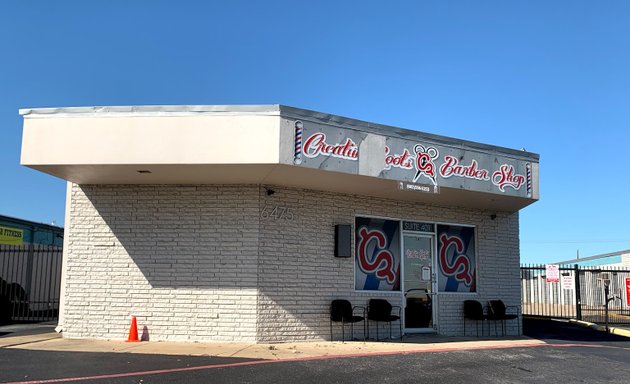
(419, 282)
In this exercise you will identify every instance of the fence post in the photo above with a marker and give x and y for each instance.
(578, 296)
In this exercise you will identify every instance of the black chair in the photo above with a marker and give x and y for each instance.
(473, 310)
(380, 310)
(342, 311)
(497, 311)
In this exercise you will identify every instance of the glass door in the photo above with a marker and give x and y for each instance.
(418, 279)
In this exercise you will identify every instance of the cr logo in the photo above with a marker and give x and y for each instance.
(424, 162)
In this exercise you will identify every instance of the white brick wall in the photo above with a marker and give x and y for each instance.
(299, 276)
(180, 258)
(199, 262)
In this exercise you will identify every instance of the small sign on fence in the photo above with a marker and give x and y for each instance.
(553, 273)
(567, 280)
(628, 291)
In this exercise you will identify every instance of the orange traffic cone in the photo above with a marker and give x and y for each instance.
(133, 331)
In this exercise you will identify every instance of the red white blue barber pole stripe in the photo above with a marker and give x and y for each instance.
(297, 156)
(528, 168)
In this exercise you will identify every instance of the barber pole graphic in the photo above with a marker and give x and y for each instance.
(297, 156)
(528, 168)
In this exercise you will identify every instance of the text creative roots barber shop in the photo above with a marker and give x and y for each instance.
(269, 223)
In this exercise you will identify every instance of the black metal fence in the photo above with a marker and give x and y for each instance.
(30, 280)
(579, 293)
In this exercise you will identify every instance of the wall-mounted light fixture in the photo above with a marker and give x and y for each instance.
(270, 191)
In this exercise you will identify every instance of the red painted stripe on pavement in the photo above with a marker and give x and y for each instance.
(315, 358)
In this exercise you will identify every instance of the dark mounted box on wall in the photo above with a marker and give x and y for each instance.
(343, 240)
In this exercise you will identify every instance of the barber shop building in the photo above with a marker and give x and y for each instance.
(244, 223)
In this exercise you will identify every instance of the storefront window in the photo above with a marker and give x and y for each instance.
(456, 259)
(377, 258)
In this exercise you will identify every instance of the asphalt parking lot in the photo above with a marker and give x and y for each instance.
(569, 354)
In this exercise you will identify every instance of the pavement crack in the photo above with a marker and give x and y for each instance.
(239, 351)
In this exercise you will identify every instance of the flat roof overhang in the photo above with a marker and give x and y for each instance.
(225, 145)
(281, 175)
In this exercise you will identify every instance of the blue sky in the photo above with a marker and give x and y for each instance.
(549, 76)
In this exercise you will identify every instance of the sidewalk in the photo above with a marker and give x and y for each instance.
(51, 341)
(43, 338)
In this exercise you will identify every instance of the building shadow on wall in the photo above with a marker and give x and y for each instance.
(196, 237)
(204, 238)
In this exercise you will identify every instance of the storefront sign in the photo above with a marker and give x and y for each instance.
(418, 226)
(452, 167)
(317, 145)
(425, 162)
(377, 261)
(416, 164)
(552, 272)
(507, 177)
(11, 236)
(456, 258)
(403, 160)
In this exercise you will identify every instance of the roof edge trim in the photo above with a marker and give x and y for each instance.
(144, 110)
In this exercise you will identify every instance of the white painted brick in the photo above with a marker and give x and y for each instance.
(196, 263)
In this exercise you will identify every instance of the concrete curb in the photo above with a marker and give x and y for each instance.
(601, 328)
(620, 331)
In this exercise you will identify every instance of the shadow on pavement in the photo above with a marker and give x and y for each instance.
(548, 329)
